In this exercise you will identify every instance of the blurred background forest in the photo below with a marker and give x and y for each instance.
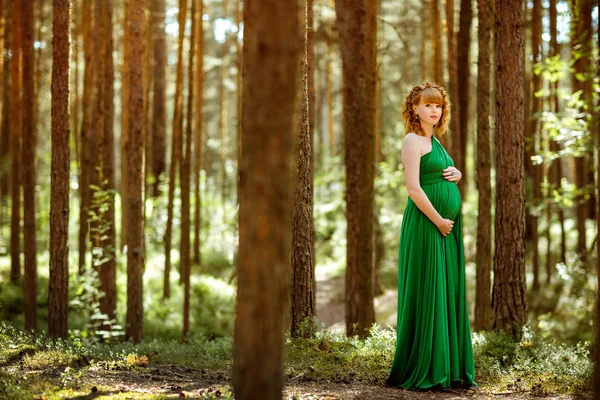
(416, 42)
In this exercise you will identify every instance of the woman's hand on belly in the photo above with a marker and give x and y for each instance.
(452, 174)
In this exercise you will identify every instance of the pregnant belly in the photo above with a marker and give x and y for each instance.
(445, 198)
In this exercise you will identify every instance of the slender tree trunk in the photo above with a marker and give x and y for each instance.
(185, 179)
(265, 200)
(176, 147)
(436, 45)
(106, 240)
(198, 120)
(508, 296)
(6, 121)
(148, 75)
(238, 61)
(536, 36)
(58, 289)
(597, 352)
(453, 139)
(15, 145)
(125, 93)
(135, 149)
(464, 84)
(29, 138)
(483, 300)
(329, 79)
(86, 129)
(378, 245)
(159, 97)
(426, 70)
(75, 100)
(356, 21)
(302, 291)
(581, 40)
(223, 112)
(554, 146)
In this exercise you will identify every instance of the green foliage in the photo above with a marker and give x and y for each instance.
(211, 309)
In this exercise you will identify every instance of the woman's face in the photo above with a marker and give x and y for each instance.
(429, 113)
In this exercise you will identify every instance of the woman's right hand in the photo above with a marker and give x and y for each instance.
(445, 226)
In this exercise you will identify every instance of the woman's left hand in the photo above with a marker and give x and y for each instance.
(452, 174)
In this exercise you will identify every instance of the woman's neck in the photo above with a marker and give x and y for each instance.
(427, 130)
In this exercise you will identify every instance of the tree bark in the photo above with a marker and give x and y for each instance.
(15, 145)
(509, 295)
(135, 149)
(29, 140)
(175, 147)
(357, 27)
(483, 300)
(58, 289)
(272, 45)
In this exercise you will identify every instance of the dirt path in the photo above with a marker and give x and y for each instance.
(173, 381)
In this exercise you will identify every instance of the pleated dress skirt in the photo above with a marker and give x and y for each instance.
(433, 344)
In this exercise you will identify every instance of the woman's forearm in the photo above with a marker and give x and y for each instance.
(421, 200)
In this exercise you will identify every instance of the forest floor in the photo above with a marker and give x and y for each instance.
(176, 381)
(34, 369)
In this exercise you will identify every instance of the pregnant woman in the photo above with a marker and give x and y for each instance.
(433, 348)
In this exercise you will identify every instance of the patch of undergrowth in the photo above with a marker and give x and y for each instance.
(534, 364)
(337, 358)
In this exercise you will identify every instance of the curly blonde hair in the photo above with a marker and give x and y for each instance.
(429, 93)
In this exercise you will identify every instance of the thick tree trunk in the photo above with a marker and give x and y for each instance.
(135, 149)
(198, 127)
(185, 179)
(464, 86)
(15, 145)
(302, 291)
(29, 140)
(272, 45)
(175, 148)
(356, 21)
(159, 97)
(483, 300)
(508, 297)
(58, 289)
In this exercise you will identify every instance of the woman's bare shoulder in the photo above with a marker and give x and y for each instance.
(412, 140)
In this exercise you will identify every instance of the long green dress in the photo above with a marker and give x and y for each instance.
(433, 348)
